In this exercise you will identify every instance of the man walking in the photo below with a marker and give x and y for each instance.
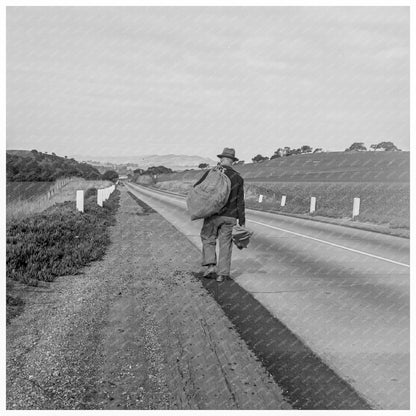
(220, 226)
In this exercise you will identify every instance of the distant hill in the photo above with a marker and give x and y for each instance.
(174, 162)
(323, 167)
(34, 166)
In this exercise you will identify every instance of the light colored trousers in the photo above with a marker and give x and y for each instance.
(219, 227)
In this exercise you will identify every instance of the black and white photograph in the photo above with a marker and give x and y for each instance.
(207, 207)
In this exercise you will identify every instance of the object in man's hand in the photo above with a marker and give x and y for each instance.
(241, 236)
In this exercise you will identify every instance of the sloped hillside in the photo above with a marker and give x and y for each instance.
(33, 166)
(322, 167)
(333, 167)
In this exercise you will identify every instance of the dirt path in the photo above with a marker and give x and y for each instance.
(135, 331)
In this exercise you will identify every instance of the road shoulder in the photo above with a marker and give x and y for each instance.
(136, 331)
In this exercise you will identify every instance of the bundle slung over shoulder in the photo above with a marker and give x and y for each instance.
(210, 195)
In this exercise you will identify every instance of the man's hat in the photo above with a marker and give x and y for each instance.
(230, 153)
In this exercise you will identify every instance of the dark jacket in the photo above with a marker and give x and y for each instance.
(235, 206)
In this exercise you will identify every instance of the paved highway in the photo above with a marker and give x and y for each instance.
(344, 292)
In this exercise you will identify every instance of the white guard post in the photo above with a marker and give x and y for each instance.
(80, 201)
(356, 208)
(261, 198)
(313, 205)
(104, 194)
(100, 197)
(283, 201)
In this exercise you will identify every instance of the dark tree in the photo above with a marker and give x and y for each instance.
(110, 175)
(203, 165)
(293, 152)
(278, 153)
(157, 170)
(356, 147)
(387, 146)
(306, 149)
(259, 158)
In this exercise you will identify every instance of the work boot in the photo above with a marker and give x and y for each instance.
(209, 271)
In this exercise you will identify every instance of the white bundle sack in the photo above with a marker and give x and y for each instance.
(210, 196)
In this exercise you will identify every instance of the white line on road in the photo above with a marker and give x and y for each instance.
(329, 243)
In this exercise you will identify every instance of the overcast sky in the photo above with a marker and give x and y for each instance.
(139, 80)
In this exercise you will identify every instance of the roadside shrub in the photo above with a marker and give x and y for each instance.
(14, 306)
(58, 241)
(90, 193)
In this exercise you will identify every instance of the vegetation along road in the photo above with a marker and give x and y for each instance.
(342, 292)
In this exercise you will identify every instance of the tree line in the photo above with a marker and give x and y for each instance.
(355, 147)
(383, 146)
(36, 166)
(153, 170)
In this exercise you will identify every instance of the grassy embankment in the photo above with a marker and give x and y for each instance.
(27, 198)
(380, 180)
(56, 242)
(26, 191)
(379, 203)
